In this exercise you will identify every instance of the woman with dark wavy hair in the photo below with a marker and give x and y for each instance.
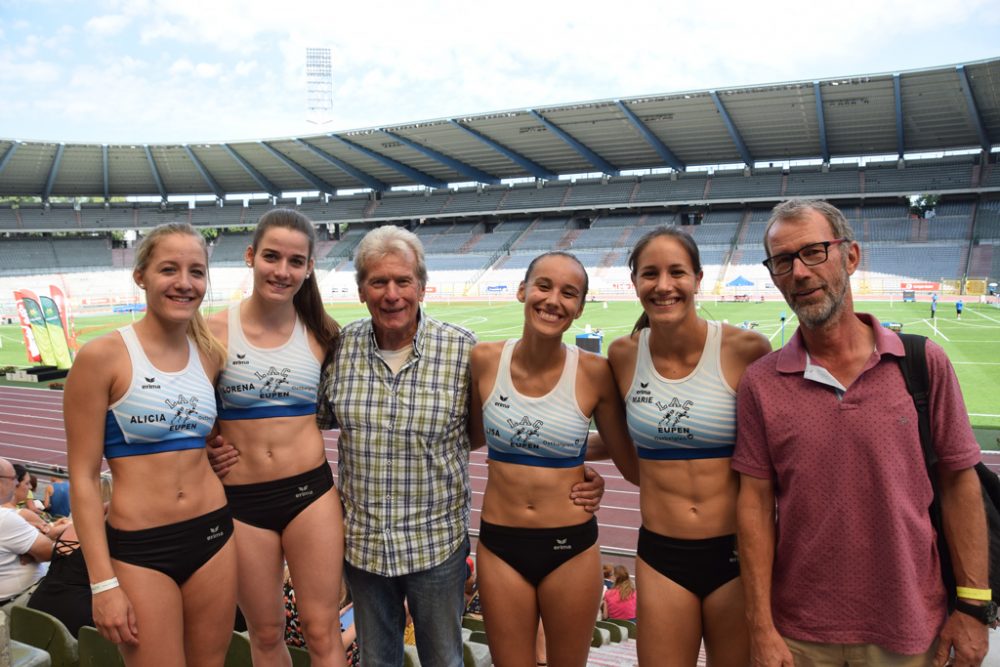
(282, 495)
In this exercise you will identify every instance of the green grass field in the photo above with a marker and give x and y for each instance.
(973, 344)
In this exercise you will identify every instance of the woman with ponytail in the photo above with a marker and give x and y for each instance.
(282, 495)
(677, 374)
(162, 569)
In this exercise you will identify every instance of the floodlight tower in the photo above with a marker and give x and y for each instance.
(319, 86)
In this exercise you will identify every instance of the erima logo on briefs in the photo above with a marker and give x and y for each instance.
(561, 545)
(304, 492)
(214, 534)
(150, 383)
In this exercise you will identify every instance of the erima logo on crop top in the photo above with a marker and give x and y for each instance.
(240, 360)
(642, 395)
(273, 382)
(150, 383)
(502, 403)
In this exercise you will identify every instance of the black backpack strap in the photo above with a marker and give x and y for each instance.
(913, 364)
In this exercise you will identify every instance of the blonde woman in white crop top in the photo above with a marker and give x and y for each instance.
(163, 568)
(532, 401)
(677, 374)
(281, 492)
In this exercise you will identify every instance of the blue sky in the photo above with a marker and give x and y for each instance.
(184, 71)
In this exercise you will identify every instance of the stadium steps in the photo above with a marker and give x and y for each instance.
(566, 242)
(470, 243)
(635, 191)
(323, 249)
(981, 260)
(565, 197)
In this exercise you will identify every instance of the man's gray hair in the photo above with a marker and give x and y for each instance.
(794, 209)
(389, 240)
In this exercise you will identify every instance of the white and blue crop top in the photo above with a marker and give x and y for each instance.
(267, 382)
(160, 411)
(547, 431)
(690, 418)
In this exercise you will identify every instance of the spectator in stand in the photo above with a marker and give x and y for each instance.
(620, 599)
(64, 592)
(56, 498)
(24, 551)
(608, 571)
(25, 505)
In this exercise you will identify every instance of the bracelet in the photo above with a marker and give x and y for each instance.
(974, 593)
(105, 585)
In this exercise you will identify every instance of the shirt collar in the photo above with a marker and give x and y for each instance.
(418, 337)
(793, 357)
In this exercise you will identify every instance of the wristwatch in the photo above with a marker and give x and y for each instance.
(985, 614)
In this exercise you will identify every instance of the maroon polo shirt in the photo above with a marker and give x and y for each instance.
(855, 560)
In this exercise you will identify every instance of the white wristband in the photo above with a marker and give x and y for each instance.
(105, 585)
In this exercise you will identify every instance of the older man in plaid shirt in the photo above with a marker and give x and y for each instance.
(398, 388)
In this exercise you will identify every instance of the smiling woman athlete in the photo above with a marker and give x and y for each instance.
(281, 492)
(532, 401)
(677, 374)
(163, 568)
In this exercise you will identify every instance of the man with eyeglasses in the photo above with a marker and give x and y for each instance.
(837, 552)
(24, 551)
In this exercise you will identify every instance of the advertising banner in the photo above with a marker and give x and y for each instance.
(36, 321)
(57, 334)
(30, 347)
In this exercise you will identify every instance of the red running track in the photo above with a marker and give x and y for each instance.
(31, 431)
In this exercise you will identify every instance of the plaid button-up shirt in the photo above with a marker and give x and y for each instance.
(403, 448)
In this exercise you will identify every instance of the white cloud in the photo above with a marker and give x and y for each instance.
(236, 67)
(207, 70)
(107, 25)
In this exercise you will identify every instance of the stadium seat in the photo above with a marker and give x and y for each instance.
(300, 657)
(629, 626)
(475, 654)
(410, 657)
(96, 651)
(478, 637)
(473, 623)
(617, 632)
(44, 631)
(238, 654)
(601, 637)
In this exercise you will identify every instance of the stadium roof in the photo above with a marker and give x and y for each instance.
(945, 108)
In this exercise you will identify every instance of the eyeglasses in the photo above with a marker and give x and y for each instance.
(810, 255)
